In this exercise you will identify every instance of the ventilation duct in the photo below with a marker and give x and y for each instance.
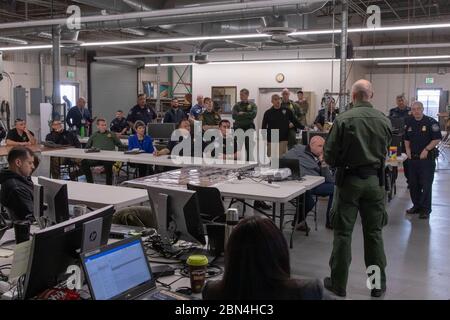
(200, 59)
(13, 41)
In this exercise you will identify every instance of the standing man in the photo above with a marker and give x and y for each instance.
(141, 112)
(357, 146)
(174, 114)
(79, 116)
(20, 135)
(244, 114)
(210, 119)
(421, 138)
(295, 108)
(304, 107)
(103, 140)
(197, 109)
(119, 124)
(322, 117)
(282, 119)
(402, 111)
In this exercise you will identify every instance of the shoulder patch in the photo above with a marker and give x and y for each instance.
(435, 127)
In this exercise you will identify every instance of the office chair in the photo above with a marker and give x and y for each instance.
(210, 201)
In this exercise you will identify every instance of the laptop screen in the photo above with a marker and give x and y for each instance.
(114, 271)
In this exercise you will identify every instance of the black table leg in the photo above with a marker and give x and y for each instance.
(281, 216)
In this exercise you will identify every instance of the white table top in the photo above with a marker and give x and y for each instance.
(398, 161)
(252, 190)
(263, 191)
(97, 195)
(146, 158)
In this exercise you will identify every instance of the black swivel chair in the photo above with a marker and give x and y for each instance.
(210, 201)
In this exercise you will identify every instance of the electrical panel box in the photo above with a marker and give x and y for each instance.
(20, 103)
(36, 98)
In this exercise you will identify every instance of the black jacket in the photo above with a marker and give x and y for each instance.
(296, 290)
(16, 195)
(65, 137)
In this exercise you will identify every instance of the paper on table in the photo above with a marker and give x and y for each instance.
(20, 261)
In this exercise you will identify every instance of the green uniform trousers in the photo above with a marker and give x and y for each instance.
(367, 197)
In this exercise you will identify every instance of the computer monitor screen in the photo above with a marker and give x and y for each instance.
(307, 135)
(55, 248)
(177, 214)
(398, 124)
(161, 131)
(56, 199)
(294, 166)
(117, 270)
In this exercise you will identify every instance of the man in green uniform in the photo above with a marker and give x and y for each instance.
(244, 114)
(295, 108)
(210, 119)
(103, 140)
(304, 107)
(357, 146)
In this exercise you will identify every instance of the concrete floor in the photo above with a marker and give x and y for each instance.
(417, 251)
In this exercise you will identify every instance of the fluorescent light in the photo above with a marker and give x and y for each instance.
(412, 63)
(184, 39)
(26, 48)
(357, 30)
(174, 64)
(402, 58)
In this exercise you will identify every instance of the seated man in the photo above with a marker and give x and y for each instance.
(185, 133)
(63, 137)
(16, 192)
(20, 135)
(312, 164)
(103, 140)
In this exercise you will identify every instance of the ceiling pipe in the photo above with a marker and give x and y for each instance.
(223, 12)
(13, 41)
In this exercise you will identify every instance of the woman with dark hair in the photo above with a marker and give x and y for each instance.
(143, 142)
(257, 267)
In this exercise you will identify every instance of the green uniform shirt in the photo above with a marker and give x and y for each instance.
(210, 118)
(104, 141)
(244, 121)
(359, 137)
(303, 107)
(294, 107)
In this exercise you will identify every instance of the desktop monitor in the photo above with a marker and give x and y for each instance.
(307, 135)
(56, 199)
(177, 214)
(161, 131)
(57, 247)
(398, 124)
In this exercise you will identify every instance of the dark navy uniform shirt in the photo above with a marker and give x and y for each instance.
(398, 113)
(421, 133)
(145, 114)
(76, 117)
(321, 116)
(174, 115)
(118, 125)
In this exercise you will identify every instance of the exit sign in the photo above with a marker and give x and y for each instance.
(70, 74)
(429, 80)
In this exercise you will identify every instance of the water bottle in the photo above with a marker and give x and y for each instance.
(232, 219)
(82, 132)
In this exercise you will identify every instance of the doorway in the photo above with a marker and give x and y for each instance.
(431, 101)
(70, 90)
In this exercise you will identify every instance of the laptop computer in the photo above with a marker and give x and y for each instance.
(294, 166)
(121, 271)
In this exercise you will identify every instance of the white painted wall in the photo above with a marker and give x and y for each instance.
(388, 85)
(315, 77)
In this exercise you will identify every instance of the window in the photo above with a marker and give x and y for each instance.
(430, 99)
